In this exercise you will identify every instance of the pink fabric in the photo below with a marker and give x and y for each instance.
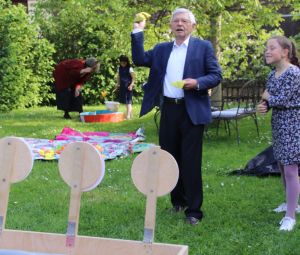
(67, 132)
(292, 189)
(96, 133)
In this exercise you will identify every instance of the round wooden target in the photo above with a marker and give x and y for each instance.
(155, 169)
(81, 166)
(16, 159)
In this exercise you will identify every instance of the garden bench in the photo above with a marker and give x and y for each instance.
(239, 100)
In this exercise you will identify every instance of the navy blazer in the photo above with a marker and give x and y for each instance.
(200, 64)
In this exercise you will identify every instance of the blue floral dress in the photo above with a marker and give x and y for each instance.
(285, 103)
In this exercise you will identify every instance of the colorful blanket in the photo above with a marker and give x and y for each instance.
(110, 145)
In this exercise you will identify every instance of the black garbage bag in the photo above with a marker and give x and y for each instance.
(263, 164)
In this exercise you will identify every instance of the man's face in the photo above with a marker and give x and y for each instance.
(182, 26)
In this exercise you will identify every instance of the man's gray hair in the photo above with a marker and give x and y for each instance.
(91, 62)
(184, 10)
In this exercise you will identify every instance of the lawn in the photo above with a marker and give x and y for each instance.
(238, 209)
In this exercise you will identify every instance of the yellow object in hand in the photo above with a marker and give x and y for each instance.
(178, 84)
(141, 16)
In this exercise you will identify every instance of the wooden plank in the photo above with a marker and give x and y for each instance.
(152, 172)
(85, 245)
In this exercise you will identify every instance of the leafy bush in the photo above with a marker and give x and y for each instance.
(25, 60)
(80, 29)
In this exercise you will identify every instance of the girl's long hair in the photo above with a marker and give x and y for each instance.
(124, 58)
(285, 43)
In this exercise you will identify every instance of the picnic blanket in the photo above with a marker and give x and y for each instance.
(110, 145)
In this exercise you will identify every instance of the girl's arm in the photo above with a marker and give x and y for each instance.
(118, 81)
(289, 88)
(130, 87)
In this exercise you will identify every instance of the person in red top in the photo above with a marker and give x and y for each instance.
(69, 77)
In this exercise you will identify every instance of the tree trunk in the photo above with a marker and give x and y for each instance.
(215, 32)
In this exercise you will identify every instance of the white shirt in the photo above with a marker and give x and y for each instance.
(175, 69)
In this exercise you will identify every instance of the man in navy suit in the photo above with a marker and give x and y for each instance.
(181, 73)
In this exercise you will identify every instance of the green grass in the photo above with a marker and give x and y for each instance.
(238, 217)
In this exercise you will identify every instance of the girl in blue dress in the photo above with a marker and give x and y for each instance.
(125, 83)
(282, 95)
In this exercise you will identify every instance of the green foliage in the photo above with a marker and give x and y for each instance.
(82, 28)
(101, 28)
(243, 30)
(24, 59)
(240, 35)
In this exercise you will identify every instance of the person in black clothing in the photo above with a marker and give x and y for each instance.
(69, 77)
(125, 83)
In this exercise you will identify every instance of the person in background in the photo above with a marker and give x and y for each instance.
(181, 73)
(69, 77)
(125, 83)
(282, 95)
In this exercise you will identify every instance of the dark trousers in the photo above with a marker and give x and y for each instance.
(183, 140)
(66, 101)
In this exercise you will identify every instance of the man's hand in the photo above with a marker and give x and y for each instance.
(190, 84)
(139, 25)
(140, 20)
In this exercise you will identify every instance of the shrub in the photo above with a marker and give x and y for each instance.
(25, 60)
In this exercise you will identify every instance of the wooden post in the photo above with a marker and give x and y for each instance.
(149, 171)
(7, 158)
(152, 176)
(74, 209)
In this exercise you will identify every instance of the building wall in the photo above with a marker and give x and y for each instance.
(30, 6)
(290, 27)
(20, 2)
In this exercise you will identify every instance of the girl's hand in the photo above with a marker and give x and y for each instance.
(262, 107)
(130, 87)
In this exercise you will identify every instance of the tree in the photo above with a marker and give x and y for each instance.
(237, 29)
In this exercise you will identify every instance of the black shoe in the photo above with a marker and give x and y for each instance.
(67, 116)
(192, 220)
(177, 209)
